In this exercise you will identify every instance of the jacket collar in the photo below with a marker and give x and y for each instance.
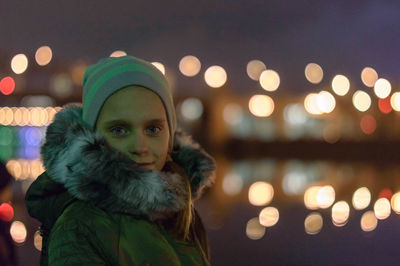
(80, 159)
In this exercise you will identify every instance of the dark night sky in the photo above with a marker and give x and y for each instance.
(342, 36)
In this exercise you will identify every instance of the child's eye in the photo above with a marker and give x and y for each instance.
(153, 130)
(118, 131)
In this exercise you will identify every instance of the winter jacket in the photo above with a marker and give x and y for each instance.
(98, 207)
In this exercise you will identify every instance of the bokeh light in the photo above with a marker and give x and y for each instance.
(261, 105)
(18, 232)
(313, 223)
(340, 213)
(295, 114)
(325, 102)
(395, 101)
(192, 108)
(6, 211)
(215, 76)
(6, 136)
(61, 85)
(368, 221)
(382, 88)
(395, 202)
(32, 116)
(77, 72)
(25, 169)
(340, 85)
(310, 197)
(369, 76)
(7, 85)
(361, 198)
(331, 133)
(118, 53)
(269, 216)
(382, 208)
(254, 230)
(255, 68)
(385, 193)
(314, 73)
(19, 63)
(361, 101)
(261, 193)
(233, 114)
(6, 116)
(43, 55)
(189, 66)
(232, 184)
(311, 105)
(384, 105)
(159, 66)
(368, 124)
(37, 100)
(37, 240)
(294, 182)
(269, 80)
(325, 197)
(39, 116)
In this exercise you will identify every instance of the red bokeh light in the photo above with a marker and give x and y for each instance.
(368, 124)
(7, 85)
(6, 212)
(385, 193)
(384, 105)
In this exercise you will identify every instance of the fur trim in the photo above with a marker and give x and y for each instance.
(91, 170)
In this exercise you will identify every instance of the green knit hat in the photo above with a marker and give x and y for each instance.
(111, 74)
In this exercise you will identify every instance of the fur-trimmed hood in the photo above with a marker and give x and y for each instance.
(80, 163)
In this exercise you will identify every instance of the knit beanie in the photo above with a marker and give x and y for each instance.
(111, 74)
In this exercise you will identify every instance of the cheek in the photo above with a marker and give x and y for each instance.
(160, 150)
(116, 144)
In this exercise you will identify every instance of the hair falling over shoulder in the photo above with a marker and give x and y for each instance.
(188, 225)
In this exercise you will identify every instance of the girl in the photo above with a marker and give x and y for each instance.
(120, 179)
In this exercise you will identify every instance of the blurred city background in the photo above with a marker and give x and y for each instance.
(298, 101)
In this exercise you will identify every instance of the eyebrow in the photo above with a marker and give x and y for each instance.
(121, 121)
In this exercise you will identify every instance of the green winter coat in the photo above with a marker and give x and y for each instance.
(97, 207)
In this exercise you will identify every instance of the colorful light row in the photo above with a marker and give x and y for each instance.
(31, 116)
(25, 169)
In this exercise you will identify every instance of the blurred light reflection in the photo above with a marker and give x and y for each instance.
(254, 230)
(269, 216)
(18, 232)
(382, 208)
(395, 202)
(313, 223)
(368, 221)
(340, 213)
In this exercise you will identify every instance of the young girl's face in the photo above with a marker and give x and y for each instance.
(133, 121)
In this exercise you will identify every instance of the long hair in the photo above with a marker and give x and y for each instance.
(186, 224)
